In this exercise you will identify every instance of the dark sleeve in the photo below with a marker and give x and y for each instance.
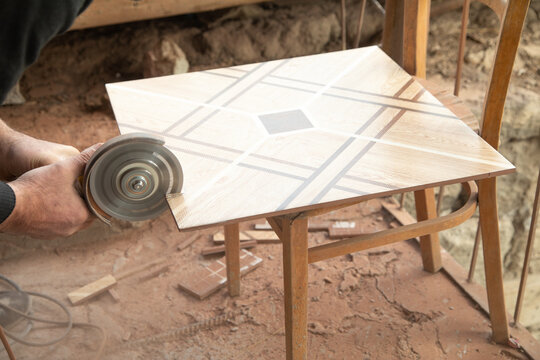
(25, 27)
(7, 201)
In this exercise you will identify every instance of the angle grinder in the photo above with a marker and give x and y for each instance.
(129, 176)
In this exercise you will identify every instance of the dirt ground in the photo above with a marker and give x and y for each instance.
(382, 305)
(377, 304)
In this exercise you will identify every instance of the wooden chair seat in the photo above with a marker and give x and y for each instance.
(452, 102)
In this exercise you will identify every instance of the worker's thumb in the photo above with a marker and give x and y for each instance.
(77, 163)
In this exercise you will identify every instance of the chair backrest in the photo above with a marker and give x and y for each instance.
(512, 15)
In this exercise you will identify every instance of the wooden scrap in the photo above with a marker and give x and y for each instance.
(264, 226)
(6, 344)
(319, 226)
(140, 268)
(221, 248)
(155, 273)
(91, 290)
(219, 237)
(345, 229)
(126, 336)
(114, 295)
(262, 237)
(99, 286)
(315, 226)
(208, 279)
(402, 216)
(336, 229)
(190, 240)
(394, 224)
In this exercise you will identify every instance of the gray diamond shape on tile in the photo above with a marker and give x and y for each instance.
(285, 121)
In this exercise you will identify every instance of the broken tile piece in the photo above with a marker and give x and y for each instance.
(208, 279)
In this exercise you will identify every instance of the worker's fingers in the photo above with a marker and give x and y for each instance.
(88, 221)
(87, 153)
(76, 164)
(51, 153)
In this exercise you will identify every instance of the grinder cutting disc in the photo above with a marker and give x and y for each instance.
(128, 177)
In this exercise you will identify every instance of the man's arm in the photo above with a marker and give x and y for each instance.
(20, 153)
(25, 27)
(43, 200)
(47, 201)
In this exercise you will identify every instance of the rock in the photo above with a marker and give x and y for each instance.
(373, 23)
(316, 327)
(532, 50)
(14, 96)
(166, 58)
(241, 12)
(523, 121)
(377, 267)
(489, 56)
(520, 62)
(388, 257)
(361, 263)
(95, 99)
(531, 15)
(272, 36)
(475, 58)
(350, 282)
(534, 28)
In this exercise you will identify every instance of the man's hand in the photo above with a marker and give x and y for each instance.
(20, 153)
(48, 203)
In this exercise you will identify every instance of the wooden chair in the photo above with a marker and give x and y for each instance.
(512, 13)
(451, 98)
(498, 85)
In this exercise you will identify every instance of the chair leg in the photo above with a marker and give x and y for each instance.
(489, 221)
(232, 257)
(429, 244)
(295, 278)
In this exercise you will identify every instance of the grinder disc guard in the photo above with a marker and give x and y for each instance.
(129, 176)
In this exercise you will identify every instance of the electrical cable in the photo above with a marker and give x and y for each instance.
(68, 323)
